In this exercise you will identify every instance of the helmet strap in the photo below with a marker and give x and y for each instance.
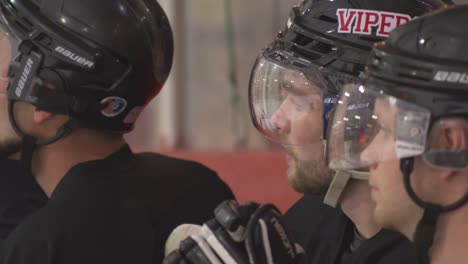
(63, 131)
(337, 186)
(425, 230)
(339, 183)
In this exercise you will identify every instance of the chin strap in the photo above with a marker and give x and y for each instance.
(425, 230)
(65, 130)
(338, 185)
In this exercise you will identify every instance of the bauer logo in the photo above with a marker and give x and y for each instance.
(362, 21)
(72, 56)
(451, 77)
(112, 106)
(24, 77)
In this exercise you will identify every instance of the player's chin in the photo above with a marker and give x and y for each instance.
(381, 216)
(307, 182)
(294, 178)
(297, 187)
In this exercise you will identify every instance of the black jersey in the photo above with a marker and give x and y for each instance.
(20, 195)
(116, 210)
(327, 234)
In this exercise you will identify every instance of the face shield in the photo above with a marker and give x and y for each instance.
(370, 126)
(290, 98)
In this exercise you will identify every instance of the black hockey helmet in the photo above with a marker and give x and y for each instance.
(99, 62)
(423, 78)
(339, 34)
(325, 44)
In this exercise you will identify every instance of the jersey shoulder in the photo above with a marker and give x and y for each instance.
(182, 175)
(388, 247)
(310, 220)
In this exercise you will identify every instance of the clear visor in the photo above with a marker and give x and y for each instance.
(370, 126)
(290, 104)
(281, 99)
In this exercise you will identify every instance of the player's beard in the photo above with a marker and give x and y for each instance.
(309, 177)
(9, 147)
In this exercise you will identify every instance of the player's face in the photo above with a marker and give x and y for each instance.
(394, 208)
(299, 122)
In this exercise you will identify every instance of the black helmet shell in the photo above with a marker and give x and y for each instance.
(105, 59)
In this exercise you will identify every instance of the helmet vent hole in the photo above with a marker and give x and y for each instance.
(306, 52)
(415, 72)
(324, 48)
(302, 40)
(415, 68)
(328, 19)
(413, 76)
(369, 38)
(311, 48)
(299, 65)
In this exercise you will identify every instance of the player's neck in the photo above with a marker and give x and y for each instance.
(451, 238)
(52, 162)
(358, 206)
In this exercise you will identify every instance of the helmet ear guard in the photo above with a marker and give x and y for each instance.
(30, 82)
(452, 153)
(26, 84)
